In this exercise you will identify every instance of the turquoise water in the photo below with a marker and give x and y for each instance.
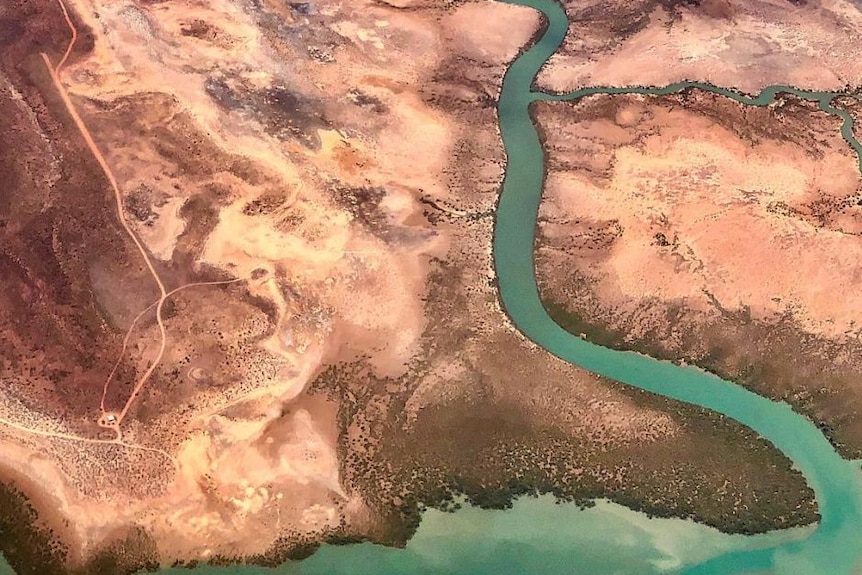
(538, 537)
(535, 537)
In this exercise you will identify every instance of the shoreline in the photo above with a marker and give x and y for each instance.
(28, 534)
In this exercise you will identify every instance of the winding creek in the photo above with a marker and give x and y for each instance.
(835, 548)
(538, 537)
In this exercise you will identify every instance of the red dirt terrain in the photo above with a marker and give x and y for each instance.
(57, 225)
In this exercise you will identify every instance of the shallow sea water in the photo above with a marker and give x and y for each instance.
(536, 537)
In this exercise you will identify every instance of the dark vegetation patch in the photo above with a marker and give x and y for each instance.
(493, 453)
(283, 112)
(265, 204)
(221, 92)
(29, 547)
(291, 546)
(139, 204)
(303, 8)
(363, 203)
(491, 447)
(11, 29)
(201, 215)
(459, 83)
(366, 101)
(613, 20)
(202, 30)
(286, 113)
(790, 121)
(773, 357)
(133, 551)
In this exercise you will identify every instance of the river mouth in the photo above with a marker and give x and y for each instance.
(836, 482)
(537, 536)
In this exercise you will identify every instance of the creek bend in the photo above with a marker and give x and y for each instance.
(834, 547)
